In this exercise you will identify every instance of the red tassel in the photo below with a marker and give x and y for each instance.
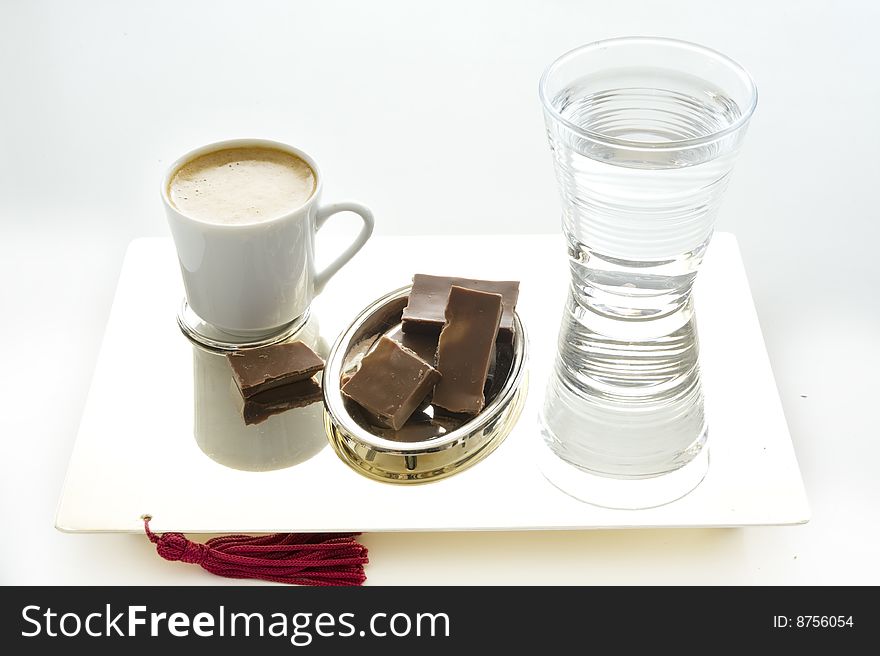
(299, 558)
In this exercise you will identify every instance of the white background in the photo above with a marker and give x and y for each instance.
(428, 113)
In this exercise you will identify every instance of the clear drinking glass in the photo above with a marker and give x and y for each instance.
(644, 134)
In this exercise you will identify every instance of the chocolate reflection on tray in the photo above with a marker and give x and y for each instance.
(259, 407)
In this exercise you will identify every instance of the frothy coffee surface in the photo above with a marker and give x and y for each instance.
(241, 185)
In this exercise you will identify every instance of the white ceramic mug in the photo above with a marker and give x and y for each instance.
(254, 279)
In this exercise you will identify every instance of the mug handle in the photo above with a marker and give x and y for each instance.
(324, 213)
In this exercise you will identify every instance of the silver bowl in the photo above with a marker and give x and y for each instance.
(438, 445)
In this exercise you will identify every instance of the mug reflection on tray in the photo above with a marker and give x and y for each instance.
(280, 437)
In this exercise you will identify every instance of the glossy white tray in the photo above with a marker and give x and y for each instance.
(136, 451)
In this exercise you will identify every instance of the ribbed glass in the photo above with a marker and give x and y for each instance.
(644, 134)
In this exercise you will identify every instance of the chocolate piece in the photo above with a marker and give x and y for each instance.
(423, 345)
(391, 383)
(260, 407)
(466, 349)
(260, 369)
(425, 311)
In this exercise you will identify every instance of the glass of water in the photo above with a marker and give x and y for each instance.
(644, 134)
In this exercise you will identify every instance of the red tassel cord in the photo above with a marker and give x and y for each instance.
(298, 558)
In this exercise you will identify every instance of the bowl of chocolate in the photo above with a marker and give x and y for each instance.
(428, 380)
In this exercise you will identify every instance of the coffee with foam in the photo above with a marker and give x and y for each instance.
(241, 185)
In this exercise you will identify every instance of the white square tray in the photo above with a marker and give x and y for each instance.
(136, 452)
